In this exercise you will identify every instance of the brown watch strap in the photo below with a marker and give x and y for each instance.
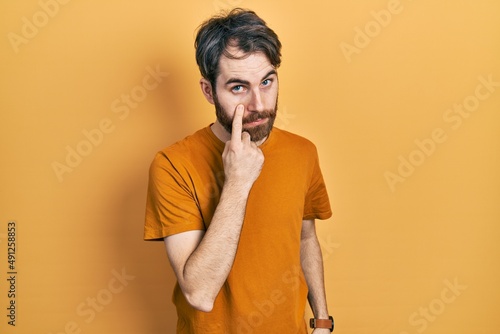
(323, 323)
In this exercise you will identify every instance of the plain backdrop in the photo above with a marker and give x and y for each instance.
(401, 98)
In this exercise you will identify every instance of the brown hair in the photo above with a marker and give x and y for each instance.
(239, 28)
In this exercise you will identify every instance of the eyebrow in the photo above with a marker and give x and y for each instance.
(246, 82)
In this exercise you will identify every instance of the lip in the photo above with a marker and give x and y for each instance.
(257, 122)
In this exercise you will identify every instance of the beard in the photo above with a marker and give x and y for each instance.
(257, 132)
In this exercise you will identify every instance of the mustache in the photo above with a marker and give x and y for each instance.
(260, 115)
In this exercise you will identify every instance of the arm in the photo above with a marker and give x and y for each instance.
(312, 266)
(202, 260)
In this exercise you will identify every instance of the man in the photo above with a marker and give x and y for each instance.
(236, 202)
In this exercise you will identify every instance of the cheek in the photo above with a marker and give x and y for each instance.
(230, 101)
(270, 98)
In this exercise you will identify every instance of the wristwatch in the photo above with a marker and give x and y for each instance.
(322, 323)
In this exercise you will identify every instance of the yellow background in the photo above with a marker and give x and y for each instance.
(392, 250)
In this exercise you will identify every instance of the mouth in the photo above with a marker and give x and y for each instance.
(256, 122)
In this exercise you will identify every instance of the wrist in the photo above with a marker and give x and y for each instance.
(322, 323)
(322, 315)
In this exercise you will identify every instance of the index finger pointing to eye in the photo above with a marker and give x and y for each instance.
(237, 123)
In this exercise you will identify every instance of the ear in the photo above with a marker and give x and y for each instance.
(207, 90)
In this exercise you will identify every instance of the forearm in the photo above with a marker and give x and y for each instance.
(203, 265)
(207, 268)
(312, 266)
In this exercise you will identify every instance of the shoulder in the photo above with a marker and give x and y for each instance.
(179, 153)
(189, 143)
(195, 151)
(293, 141)
(188, 147)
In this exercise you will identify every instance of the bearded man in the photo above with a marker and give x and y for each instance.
(236, 202)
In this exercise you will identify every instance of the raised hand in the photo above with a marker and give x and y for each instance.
(242, 158)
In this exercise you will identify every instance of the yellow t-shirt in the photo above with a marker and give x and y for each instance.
(265, 291)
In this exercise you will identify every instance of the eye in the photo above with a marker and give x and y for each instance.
(267, 82)
(237, 89)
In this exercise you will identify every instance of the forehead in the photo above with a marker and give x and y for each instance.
(247, 66)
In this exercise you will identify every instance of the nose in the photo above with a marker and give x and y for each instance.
(255, 102)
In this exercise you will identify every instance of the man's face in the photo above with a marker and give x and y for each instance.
(253, 82)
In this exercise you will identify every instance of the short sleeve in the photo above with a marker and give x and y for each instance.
(317, 203)
(171, 207)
